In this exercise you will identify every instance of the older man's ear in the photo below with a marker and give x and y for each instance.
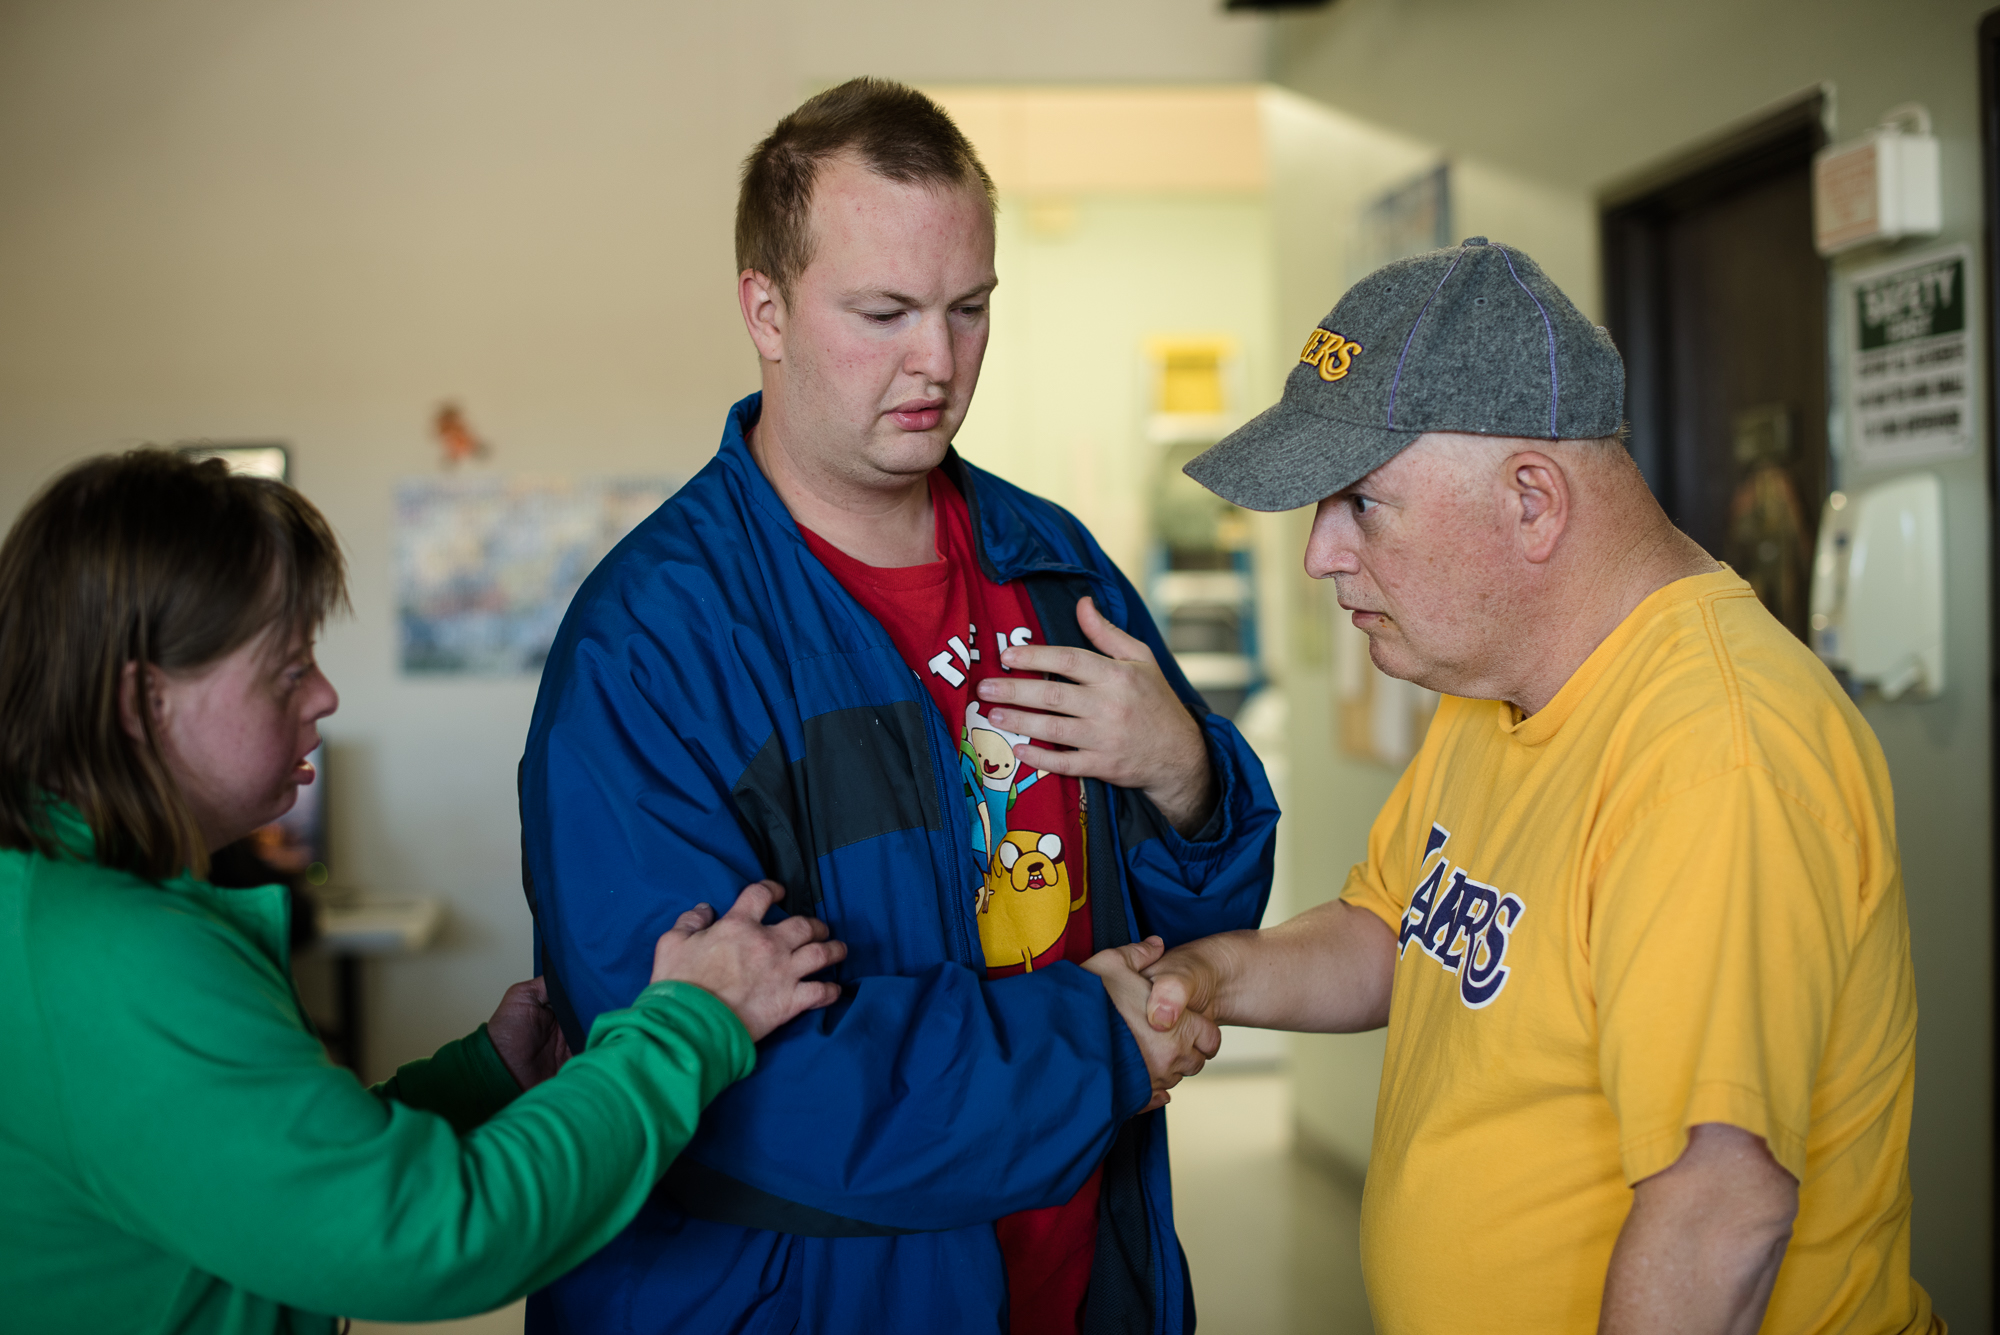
(1539, 491)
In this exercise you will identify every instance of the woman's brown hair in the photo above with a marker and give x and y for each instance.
(148, 558)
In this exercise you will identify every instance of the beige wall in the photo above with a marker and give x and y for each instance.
(1576, 94)
(311, 223)
(274, 220)
(1065, 395)
(1126, 213)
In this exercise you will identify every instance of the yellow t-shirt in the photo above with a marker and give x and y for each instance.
(1670, 897)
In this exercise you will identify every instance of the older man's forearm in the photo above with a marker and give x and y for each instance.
(1326, 971)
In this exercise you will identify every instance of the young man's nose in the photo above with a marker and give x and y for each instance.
(929, 353)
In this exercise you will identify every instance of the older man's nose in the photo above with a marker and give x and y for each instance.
(1329, 547)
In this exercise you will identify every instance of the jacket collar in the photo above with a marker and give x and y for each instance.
(1008, 546)
(262, 912)
(69, 827)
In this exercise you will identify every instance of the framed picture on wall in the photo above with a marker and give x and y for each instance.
(1408, 220)
(259, 459)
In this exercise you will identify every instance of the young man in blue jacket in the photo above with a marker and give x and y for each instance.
(928, 704)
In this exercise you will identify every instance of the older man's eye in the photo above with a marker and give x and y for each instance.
(1363, 504)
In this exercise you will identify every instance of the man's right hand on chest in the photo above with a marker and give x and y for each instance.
(1172, 1053)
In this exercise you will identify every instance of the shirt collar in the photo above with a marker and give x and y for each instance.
(1008, 548)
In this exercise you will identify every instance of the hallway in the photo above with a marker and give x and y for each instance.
(1273, 1240)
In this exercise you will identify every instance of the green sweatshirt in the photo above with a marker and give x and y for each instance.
(178, 1154)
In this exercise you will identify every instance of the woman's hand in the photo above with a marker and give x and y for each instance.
(757, 971)
(525, 1034)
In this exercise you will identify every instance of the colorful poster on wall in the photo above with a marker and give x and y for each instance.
(486, 565)
(1909, 360)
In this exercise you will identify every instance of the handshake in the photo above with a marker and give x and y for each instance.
(762, 973)
(1167, 1001)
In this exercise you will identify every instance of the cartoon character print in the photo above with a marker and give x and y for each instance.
(1027, 901)
(995, 778)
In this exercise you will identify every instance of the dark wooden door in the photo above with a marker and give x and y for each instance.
(1717, 299)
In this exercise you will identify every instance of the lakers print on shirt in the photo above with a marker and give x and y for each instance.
(1461, 923)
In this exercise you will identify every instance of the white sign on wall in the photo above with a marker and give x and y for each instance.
(1909, 359)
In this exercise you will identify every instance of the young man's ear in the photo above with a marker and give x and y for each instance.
(763, 313)
(1541, 494)
(139, 696)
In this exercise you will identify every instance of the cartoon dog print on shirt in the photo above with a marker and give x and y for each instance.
(1027, 901)
(994, 780)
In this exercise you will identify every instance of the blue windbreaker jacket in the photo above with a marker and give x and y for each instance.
(716, 709)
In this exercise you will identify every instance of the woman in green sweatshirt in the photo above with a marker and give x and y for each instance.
(177, 1152)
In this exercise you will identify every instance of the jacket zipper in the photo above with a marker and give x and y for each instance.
(955, 908)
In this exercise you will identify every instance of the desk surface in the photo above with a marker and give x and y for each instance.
(379, 928)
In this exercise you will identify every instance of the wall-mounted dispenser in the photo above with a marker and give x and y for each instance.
(1881, 187)
(1878, 586)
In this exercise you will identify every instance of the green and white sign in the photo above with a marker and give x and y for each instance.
(1910, 359)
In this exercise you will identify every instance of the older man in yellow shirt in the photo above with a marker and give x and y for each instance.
(1634, 915)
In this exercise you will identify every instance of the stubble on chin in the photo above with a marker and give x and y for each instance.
(901, 458)
(1391, 655)
(867, 461)
(1381, 655)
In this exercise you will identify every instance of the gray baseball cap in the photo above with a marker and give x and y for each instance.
(1473, 339)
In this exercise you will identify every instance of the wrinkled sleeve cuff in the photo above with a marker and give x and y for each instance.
(1131, 1082)
(1654, 1151)
(1211, 841)
(464, 1082)
(695, 1011)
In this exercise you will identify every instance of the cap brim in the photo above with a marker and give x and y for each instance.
(1286, 457)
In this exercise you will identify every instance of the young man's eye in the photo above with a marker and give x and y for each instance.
(972, 312)
(881, 317)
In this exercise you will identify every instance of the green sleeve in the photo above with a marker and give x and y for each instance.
(464, 1082)
(206, 1119)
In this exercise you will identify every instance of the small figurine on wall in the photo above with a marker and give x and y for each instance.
(454, 434)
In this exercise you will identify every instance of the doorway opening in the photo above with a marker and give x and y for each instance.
(1717, 298)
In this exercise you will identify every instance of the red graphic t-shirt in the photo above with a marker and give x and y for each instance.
(1026, 856)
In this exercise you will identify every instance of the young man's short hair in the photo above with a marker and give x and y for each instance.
(894, 130)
